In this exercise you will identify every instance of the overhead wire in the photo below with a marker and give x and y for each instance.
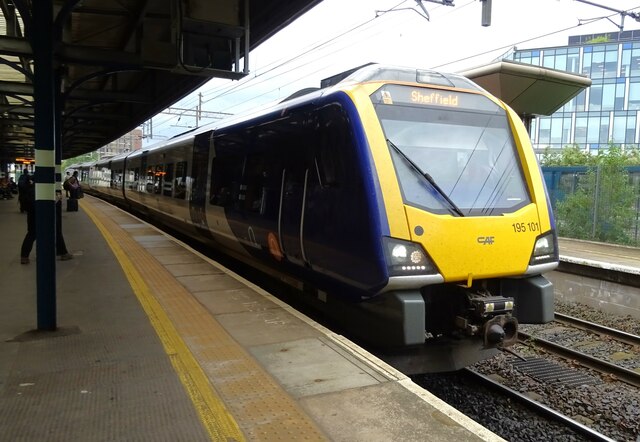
(229, 87)
(511, 45)
(225, 90)
(317, 59)
(305, 52)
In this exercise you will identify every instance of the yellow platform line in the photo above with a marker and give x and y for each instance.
(216, 419)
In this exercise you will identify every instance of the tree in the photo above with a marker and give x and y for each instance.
(570, 155)
(91, 156)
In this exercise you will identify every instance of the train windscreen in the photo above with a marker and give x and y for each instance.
(453, 151)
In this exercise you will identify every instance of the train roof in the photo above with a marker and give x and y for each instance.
(366, 73)
(378, 72)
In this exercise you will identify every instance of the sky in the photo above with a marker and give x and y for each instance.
(338, 35)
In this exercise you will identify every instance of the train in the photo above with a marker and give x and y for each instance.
(407, 203)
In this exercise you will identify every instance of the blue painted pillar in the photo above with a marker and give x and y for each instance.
(57, 133)
(42, 41)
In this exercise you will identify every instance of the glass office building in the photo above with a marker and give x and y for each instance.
(608, 111)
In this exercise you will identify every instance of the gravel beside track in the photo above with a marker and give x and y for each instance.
(610, 407)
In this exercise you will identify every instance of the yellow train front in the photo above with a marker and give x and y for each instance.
(469, 225)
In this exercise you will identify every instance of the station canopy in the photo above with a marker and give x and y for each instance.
(120, 62)
(529, 90)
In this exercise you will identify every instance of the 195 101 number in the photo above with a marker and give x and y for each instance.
(525, 227)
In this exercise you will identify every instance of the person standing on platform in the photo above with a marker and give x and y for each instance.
(5, 190)
(74, 192)
(22, 188)
(13, 187)
(66, 185)
(30, 207)
(74, 184)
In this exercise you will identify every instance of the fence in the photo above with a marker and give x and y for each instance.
(600, 204)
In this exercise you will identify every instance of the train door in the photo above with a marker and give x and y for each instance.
(112, 174)
(142, 176)
(199, 169)
(291, 220)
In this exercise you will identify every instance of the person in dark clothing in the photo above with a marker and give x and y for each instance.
(22, 189)
(13, 186)
(74, 185)
(5, 189)
(66, 185)
(30, 237)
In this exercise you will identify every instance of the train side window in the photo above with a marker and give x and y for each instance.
(167, 187)
(181, 180)
(333, 139)
(150, 179)
(262, 182)
(158, 175)
(116, 177)
(225, 185)
(136, 179)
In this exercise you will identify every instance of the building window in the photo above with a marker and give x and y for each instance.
(619, 100)
(586, 61)
(634, 62)
(631, 129)
(595, 97)
(544, 137)
(611, 61)
(529, 57)
(608, 95)
(556, 130)
(604, 129)
(534, 130)
(634, 94)
(581, 129)
(566, 130)
(573, 60)
(593, 129)
(597, 63)
(549, 59)
(625, 65)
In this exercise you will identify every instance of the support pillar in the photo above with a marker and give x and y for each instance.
(42, 42)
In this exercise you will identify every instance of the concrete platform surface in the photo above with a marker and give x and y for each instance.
(157, 342)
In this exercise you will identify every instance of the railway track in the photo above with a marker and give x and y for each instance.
(621, 336)
(537, 407)
(617, 372)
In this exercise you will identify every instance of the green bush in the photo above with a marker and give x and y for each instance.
(603, 206)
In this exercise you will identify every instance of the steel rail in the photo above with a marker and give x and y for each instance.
(539, 408)
(627, 338)
(625, 375)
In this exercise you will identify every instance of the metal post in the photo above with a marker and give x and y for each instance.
(57, 131)
(637, 220)
(486, 13)
(45, 112)
(595, 203)
(247, 30)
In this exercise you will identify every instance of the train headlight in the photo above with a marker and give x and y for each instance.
(407, 258)
(544, 249)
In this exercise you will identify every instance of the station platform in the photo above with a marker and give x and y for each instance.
(609, 262)
(157, 342)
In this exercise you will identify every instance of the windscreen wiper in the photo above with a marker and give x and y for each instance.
(429, 178)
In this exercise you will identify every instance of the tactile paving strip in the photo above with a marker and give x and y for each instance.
(262, 409)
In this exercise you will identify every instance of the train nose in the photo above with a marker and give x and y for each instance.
(500, 330)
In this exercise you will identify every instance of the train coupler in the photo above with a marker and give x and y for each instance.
(500, 331)
(490, 317)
